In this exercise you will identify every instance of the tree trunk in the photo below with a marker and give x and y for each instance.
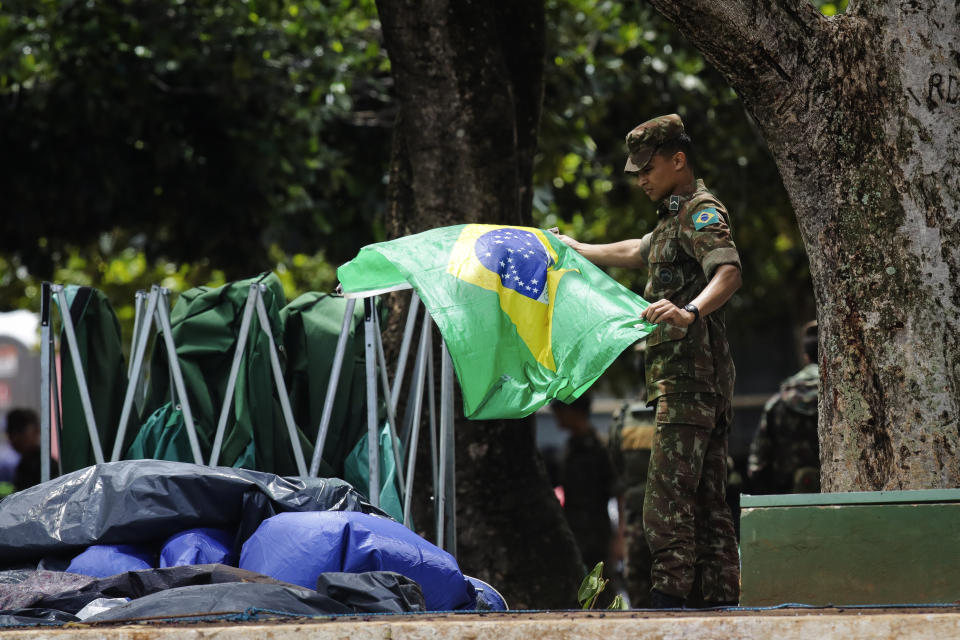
(860, 112)
(469, 81)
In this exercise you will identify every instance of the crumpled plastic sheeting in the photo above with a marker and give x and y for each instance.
(70, 592)
(34, 617)
(99, 606)
(102, 560)
(33, 597)
(488, 598)
(298, 547)
(356, 593)
(203, 545)
(370, 591)
(150, 500)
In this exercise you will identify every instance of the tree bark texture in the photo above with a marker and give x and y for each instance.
(469, 82)
(861, 114)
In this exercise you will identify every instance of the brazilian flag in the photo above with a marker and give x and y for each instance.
(526, 319)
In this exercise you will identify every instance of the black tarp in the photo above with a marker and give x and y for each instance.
(372, 591)
(33, 617)
(38, 597)
(70, 592)
(375, 592)
(150, 500)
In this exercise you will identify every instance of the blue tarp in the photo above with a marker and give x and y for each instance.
(102, 560)
(488, 598)
(199, 546)
(118, 516)
(298, 547)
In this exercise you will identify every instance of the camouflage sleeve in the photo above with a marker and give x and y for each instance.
(705, 234)
(645, 242)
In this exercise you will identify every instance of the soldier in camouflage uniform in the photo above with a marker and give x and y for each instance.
(631, 437)
(693, 269)
(785, 452)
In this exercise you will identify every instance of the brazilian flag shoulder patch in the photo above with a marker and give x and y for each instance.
(705, 218)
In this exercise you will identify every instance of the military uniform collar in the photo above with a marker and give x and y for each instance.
(673, 203)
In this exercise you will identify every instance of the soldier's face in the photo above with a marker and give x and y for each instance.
(659, 178)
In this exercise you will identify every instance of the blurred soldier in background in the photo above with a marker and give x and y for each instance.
(785, 452)
(587, 479)
(631, 436)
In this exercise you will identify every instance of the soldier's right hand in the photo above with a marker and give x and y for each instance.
(567, 240)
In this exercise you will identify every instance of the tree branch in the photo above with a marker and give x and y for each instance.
(760, 46)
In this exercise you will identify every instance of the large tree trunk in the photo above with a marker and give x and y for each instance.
(860, 112)
(469, 81)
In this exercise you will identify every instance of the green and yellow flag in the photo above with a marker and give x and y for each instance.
(526, 319)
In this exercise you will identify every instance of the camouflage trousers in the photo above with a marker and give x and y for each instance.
(685, 515)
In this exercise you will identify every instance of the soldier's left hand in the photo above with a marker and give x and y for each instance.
(665, 311)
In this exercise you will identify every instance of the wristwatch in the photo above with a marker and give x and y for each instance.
(692, 308)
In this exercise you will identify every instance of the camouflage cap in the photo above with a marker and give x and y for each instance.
(643, 141)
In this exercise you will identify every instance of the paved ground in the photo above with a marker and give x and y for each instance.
(785, 624)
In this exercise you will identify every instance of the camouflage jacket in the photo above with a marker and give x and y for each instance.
(784, 453)
(683, 252)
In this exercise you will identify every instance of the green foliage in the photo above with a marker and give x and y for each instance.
(300, 272)
(194, 142)
(118, 273)
(613, 65)
(188, 123)
(592, 586)
(120, 270)
(832, 8)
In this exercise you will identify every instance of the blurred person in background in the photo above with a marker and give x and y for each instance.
(23, 432)
(785, 451)
(587, 478)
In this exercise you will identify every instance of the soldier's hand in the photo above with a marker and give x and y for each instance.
(665, 311)
(567, 240)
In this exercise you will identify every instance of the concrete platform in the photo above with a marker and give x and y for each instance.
(785, 624)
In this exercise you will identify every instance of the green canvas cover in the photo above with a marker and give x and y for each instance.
(357, 472)
(312, 326)
(164, 437)
(206, 324)
(101, 356)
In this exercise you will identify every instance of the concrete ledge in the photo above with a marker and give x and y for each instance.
(783, 625)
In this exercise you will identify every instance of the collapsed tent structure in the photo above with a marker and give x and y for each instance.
(235, 377)
(309, 546)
